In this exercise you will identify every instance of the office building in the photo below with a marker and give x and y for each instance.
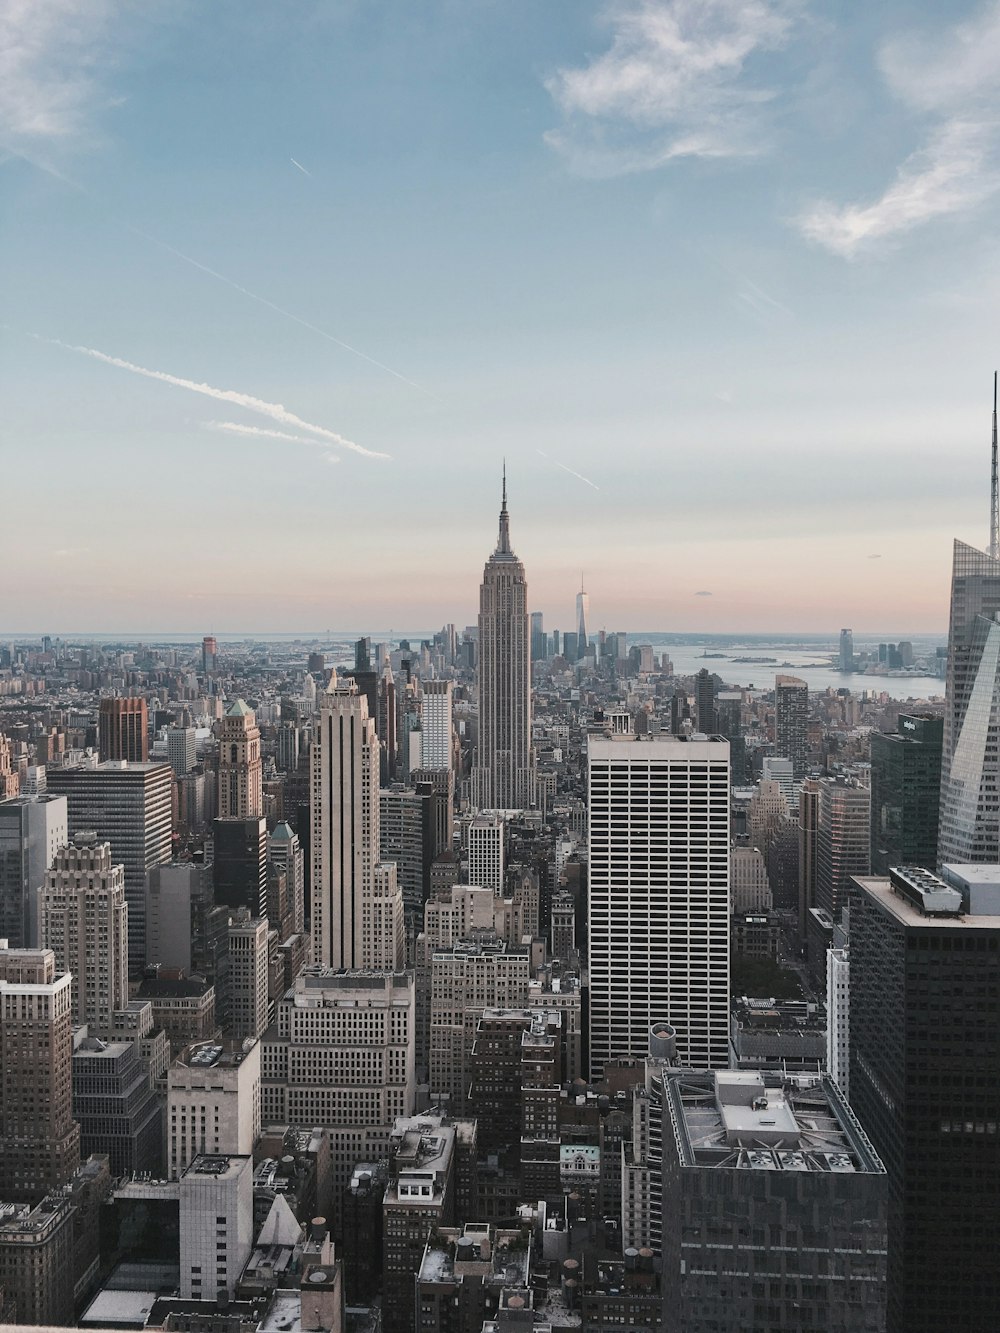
(659, 896)
(539, 643)
(341, 1054)
(729, 723)
(123, 730)
(406, 838)
(182, 749)
(209, 654)
(906, 793)
(925, 1083)
(248, 977)
(38, 1260)
(845, 656)
(239, 863)
(10, 777)
(84, 921)
(128, 805)
(486, 852)
(774, 1206)
(774, 768)
(469, 1274)
(582, 616)
(503, 777)
(436, 724)
(751, 888)
(970, 754)
(172, 893)
(791, 722)
(216, 1225)
(704, 694)
(838, 1017)
(285, 854)
(32, 830)
(39, 1139)
(241, 794)
(442, 785)
(116, 1107)
(213, 1101)
(843, 841)
(184, 1007)
(357, 908)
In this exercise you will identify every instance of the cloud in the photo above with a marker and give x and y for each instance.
(259, 405)
(949, 76)
(671, 85)
(876, 556)
(47, 52)
(236, 428)
(703, 593)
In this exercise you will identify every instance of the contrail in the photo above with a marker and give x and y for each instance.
(259, 405)
(235, 428)
(221, 277)
(279, 310)
(578, 475)
(300, 167)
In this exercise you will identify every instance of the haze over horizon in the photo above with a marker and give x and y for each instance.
(718, 280)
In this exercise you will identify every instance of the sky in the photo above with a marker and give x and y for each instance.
(284, 284)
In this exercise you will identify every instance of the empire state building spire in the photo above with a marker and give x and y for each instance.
(503, 777)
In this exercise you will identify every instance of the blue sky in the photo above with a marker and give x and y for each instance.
(718, 278)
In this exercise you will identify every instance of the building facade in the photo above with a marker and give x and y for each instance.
(906, 793)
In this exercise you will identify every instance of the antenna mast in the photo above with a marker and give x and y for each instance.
(994, 501)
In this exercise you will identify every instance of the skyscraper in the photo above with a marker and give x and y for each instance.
(846, 655)
(241, 794)
(659, 897)
(906, 792)
(843, 841)
(704, 686)
(436, 724)
(84, 921)
(582, 612)
(32, 829)
(357, 907)
(969, 828)
(791, 721)
(504, 775)
(123, 730)
(925, 1083)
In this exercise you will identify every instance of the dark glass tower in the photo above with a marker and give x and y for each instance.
(906, 790)
(925, 1084)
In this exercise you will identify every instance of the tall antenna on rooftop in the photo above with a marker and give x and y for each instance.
(994, 501)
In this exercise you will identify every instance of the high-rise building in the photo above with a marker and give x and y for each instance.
(216, 1225)
(406, 837)
(129, 805)
(843, 841)
(582, 614)
(357, 908)
(970, 757)
(838, 1017)
(436, 724)
(123, 730)
(213, 1101)
(39, 1139)
(751, 888)
(84, 921)
(729, 723)
(284, 851)
(116, 1106)
(925, 1083)
(846, 655)
(539, 645)
(239, 864)
(704, 693)
(10, 778)
(659, 897)
(774, 1206)
(32, 830)
(182, 749)
(791, 722)
(808, 834)
(248, 975)
(486, 852)
(241, 794)
(209, 654)
(504, 774)
(906, 791)
(774, 768)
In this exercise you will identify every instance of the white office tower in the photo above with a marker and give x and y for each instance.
(436, 724)
(84, 921)
(486, 865)
(213, 1101)
(182, 749)
(284, 851)
(248, 965)
(357, 906)
(775, 769)
(659, 897)
(504, 774)
(838, 1030)
(216, 1225)
(751, 887)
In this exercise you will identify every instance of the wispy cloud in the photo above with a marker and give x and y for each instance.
(300, 167)
(48, 49)
(949, 76)
(579, 475)
(259, 405)
(672, 85)
(236, 428)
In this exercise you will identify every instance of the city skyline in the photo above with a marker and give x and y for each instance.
(459, 234)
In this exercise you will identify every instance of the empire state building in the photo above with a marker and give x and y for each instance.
(504, 775)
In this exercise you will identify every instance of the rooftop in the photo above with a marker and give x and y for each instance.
(908, 915)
